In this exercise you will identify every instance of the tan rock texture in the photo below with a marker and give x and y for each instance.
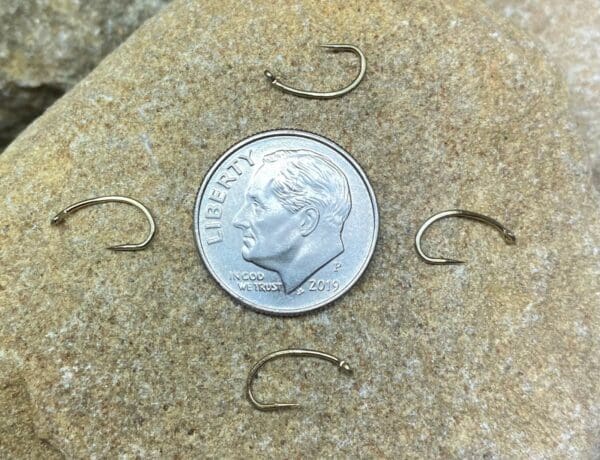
(142, 354)
(570, 32)
(46, 47)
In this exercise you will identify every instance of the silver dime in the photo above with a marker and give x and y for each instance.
(286, 221)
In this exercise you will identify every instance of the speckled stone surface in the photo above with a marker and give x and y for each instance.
(142, 354)
(570, 31)
(48, 46)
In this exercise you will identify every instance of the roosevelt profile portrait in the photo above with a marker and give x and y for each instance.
(294, 211)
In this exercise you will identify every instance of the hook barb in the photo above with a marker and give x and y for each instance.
(335, 47)
(62, 215)
(508, 235)
(299, 352)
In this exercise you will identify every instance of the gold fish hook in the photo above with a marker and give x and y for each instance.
(508, 235)
(342, 365)
(60, 217)
(326, 94)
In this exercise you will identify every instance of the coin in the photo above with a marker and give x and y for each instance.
(286, 221)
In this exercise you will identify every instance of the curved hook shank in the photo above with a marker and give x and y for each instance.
(509, 236)
(327, 94)
(342, 365)
(61, 216)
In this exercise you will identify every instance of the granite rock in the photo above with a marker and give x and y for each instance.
(47, 47)
(142, 354)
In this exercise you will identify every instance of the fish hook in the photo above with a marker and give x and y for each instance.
(326, 94)
(342, 365)
(509, 236)
(60, 217)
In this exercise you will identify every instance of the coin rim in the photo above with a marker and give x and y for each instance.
(275, 133)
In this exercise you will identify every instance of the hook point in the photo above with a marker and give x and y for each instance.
(115, 248)
(454, 262)
(288, 405)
